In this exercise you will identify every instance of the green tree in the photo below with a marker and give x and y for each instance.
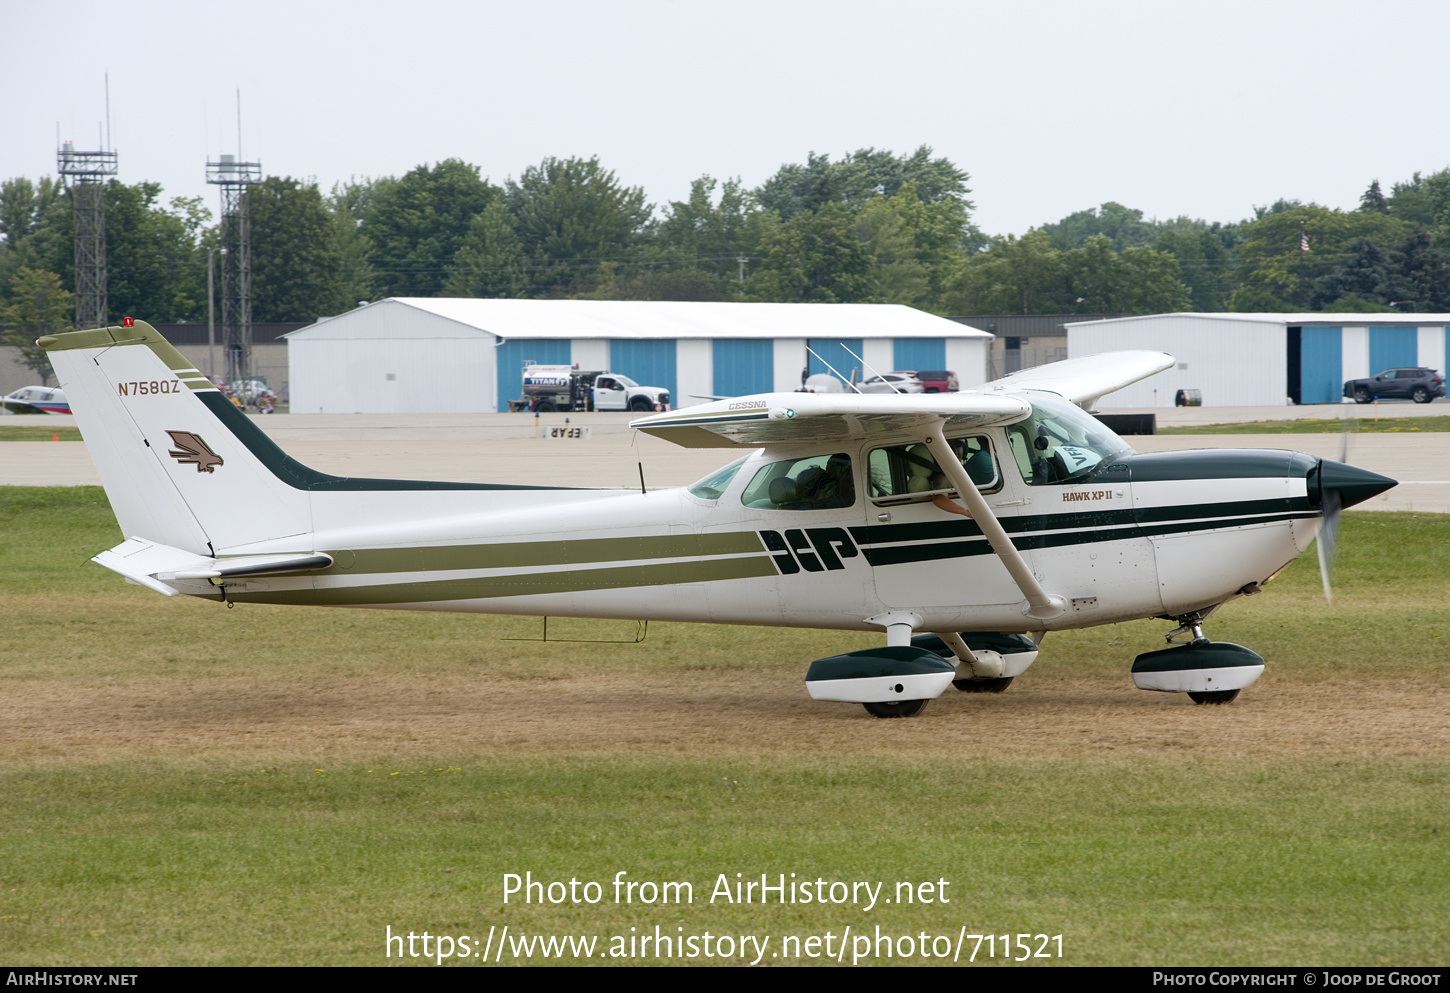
(1373, 200)
(913, 243)
(39, 306)
(1366, 274)
(29, 235)
(348, 204)
(490, 262)
(694, 252)
(815, 257)
(1424, 272)
(297, 266)
(1013, 276)
(859, 177)
(418, 222)
(1123, 226)
(570, 215)
(1205, 254)
(154, 266)
(1274, 273)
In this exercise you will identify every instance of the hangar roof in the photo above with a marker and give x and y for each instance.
(1353, 320)
(509, 319)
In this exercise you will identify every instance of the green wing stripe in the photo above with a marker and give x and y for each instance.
(624, 577)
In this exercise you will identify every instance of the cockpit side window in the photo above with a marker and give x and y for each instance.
(1060, 442)
(908, 472)
(821, 482)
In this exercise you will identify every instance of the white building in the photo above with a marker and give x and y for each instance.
(1262, 360)
(448, 355)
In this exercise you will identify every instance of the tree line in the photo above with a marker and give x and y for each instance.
(867, 227)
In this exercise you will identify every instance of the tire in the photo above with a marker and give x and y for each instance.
(1420, 395)
(906, 708)
(983, 685)
(1214, 696)
(1361, 395)
(640, 404)
(545, 407)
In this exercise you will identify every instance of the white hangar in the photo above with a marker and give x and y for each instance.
(449, 355)
(1264, 360)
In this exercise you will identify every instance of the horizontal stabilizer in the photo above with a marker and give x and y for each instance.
(155, 566)
(806, 418)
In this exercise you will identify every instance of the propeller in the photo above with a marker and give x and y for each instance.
(1329, 507)
(1341, 485)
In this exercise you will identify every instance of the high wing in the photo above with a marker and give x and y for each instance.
(804, 418)
(1085, 380)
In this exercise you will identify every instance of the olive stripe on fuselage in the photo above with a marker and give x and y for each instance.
(526, 584)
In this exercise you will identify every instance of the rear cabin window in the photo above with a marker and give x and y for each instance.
(821, 482)
(908, 473)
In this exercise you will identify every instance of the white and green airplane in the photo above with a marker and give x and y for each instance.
(959, 524)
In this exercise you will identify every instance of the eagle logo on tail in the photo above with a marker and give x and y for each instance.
(194, 451)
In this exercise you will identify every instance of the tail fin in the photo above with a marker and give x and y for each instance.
(179, 462)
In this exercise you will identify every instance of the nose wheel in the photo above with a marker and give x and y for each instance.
(1210, 672)
(905, 708)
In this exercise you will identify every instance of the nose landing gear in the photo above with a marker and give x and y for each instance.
(1209, 672)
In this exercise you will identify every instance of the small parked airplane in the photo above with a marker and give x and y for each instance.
(953, 522)
(36, 400)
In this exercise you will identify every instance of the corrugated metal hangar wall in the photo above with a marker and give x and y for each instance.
(441, 356)
(1264, 360)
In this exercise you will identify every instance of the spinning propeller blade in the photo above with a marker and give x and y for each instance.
(1328, 539)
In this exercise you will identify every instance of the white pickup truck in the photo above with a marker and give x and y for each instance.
(567, 387)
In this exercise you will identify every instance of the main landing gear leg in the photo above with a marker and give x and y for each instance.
(1209, 672)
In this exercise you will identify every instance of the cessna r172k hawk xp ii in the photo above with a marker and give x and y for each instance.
(953, 522)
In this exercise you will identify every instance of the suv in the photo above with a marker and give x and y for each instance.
(936, 380)
(1419, 384)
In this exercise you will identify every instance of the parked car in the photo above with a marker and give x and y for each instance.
(1419, 384)
(892, 382)
(935, 380)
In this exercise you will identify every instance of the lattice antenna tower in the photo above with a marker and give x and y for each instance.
(84, 175)
(234, 176)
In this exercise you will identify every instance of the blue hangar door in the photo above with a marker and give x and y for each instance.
(834, 351)
(743, 366)
(510, 356)
(648, 363)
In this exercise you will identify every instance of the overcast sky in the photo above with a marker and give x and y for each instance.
(1204, 109)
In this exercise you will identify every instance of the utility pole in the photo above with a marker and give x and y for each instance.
(85, 175)
(234, 177)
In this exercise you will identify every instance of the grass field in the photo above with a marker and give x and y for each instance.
(38, 432)
(1361, 422)
(187, 784)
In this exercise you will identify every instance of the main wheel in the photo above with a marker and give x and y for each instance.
(1214, 696)
(1421, 395)
(906, 708)
(1361, 395)
(983, 685)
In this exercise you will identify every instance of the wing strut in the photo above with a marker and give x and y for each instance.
(1042, 606)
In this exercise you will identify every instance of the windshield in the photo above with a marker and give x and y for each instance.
(624, 380)
(717, 482)
(1060, 442)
